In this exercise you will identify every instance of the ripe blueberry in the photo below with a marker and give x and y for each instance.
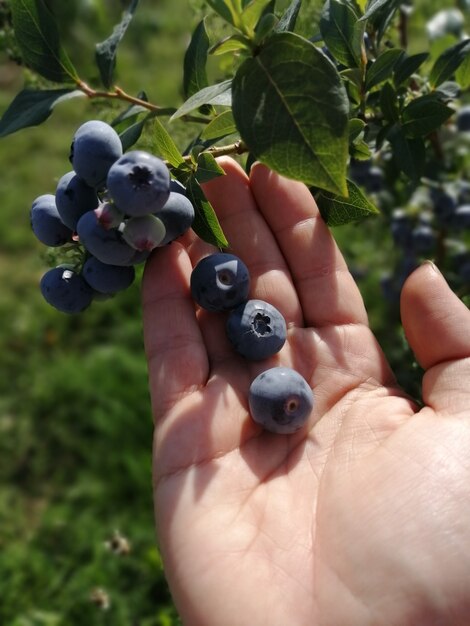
(177, 215)
(46, 222)
(74, 198)
(107, 245)
(256, 329)
(463, 119)
(106, 278)
(220, 282)
(139, 183)
(66, 290)
(95, 147)
(280, 400)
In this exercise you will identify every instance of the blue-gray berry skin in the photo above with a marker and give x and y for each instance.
(46, 222)
(74, 198)
(106, 278)
(461, 218)
(107, 245)
(256, 329)
(280, 400)
(463, 119)
(66, 290)
(95, 147)
(220, 282)
(139, 183)
(177, 214)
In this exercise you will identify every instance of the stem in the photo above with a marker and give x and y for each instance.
(120, 94)
(239, 147)
(403, 27)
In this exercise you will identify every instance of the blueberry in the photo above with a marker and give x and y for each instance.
(95, 147)
(463, 118)
(139, 183)
(108, 215)
(374, 180)
(177, 215)
(46, 222)
(400, 227)
(359, 170)
(463, 192)
(74, 198)
(106, 278)
(220, 282)
(66, 290)
(107, 245)
(464, 271)
(280, 400)
(256, 329)
(143, 233)
(460, 220)
(444, 205)
(423, 239)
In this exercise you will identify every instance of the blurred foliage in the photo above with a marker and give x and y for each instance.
(75, 421)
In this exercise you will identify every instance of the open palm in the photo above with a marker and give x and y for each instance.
(363, 516)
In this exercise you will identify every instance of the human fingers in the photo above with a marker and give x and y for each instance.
(437, 326)
(175, 349)
(251, 239)
(325, 287)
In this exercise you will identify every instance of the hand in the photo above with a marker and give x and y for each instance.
(361, 518)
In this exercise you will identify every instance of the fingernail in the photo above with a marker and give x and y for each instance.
(432, 264)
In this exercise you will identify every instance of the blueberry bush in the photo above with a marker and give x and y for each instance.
(365, 101)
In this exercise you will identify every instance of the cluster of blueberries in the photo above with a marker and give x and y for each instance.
(112, 208)
(280, 399)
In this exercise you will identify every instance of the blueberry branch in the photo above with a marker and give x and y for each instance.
(120, 94)
(239, 147)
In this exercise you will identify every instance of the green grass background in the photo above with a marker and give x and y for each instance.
(75, 422)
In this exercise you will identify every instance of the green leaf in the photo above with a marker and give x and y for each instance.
(265, 27)
(448, 62)
(221, 126)
(291, 109)
(372, 7)
(164, 145)
(406, 66)
(379, 14)
(130, 114)
(381, 69)
(389, 104)
(356, 126)
(37, 35)
(448, 90)
(224, 9)
(338, 210)
(207, 168)
(424, 115)
(214, 94)
(232, 43)
(409, 154)
(105, 52)
(462, 75)
(131, 134)
(31, 108)
(289, 17)
(205, 225)
(342, 32)
(253, 12)
(195, 58)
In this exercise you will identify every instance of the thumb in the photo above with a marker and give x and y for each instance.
(437, 325)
